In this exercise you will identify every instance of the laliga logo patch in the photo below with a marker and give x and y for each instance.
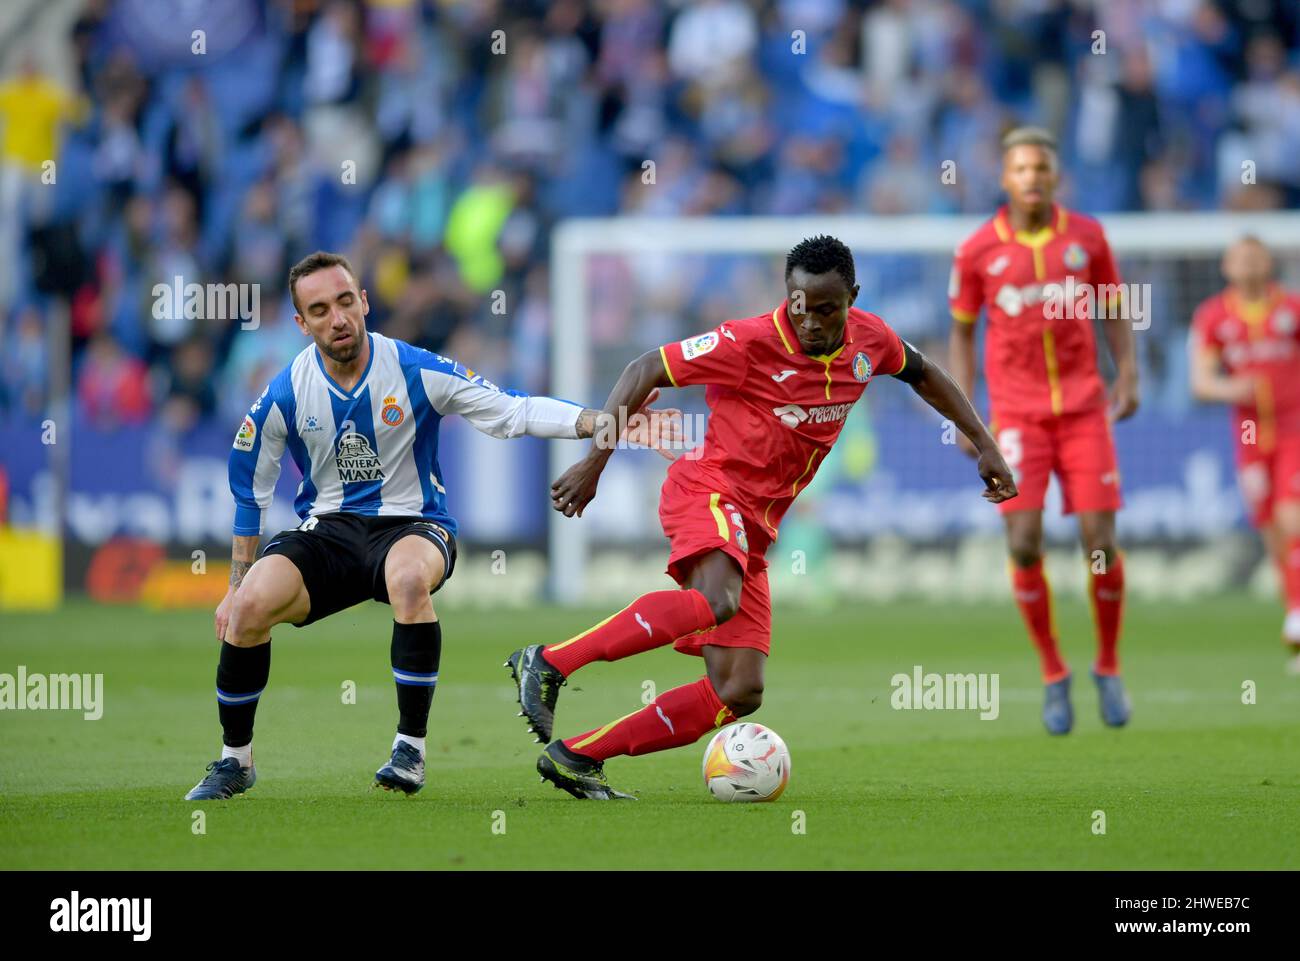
(1076, 258)
(392, 414)
(246, 435)
(694, 347)
(861, 367)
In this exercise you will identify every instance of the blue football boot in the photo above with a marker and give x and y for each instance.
(225, 779)
(404, 770)
(1058, 715)
(1115, 706)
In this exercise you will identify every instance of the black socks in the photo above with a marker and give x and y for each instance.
(242, 673)
(416, 650)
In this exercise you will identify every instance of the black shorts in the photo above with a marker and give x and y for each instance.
(341, 556)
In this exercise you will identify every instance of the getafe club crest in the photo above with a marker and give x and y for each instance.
(356, 460)
(392, 414)
(861, 367)
(1076, 258)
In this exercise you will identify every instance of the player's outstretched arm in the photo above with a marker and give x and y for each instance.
(933, 385)
(577, 486)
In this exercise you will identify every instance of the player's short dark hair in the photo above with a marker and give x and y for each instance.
(1029, 137)
(320, 260)
(821, 255)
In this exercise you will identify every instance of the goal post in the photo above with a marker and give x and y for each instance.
(1177, 252)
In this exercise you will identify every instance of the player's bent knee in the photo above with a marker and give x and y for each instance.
(251, 618)
(409, 587)
(741, 698)
(725, 605)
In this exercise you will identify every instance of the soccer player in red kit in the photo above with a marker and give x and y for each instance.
(1042, 272)
(1245, 347)
(779, 387)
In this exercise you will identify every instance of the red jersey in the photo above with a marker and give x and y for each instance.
(1036, 365)
(1258, 340)
(774, 410)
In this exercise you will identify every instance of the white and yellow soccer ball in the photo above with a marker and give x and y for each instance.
(746, 762)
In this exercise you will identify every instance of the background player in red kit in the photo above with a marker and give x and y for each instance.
(1245, 352)
(779, 388)
(1049, 405)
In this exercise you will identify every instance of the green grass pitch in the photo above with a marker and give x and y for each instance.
(1198, 780)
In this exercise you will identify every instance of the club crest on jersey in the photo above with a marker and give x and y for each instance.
(356, 460)
(1076, 258)
(1284, 321)
(392, 414)
(246, 434)
(694, 347)
(861, 367)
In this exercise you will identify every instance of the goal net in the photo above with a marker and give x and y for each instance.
(895, 510)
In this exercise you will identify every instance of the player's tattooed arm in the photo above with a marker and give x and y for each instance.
(933, 385)
(637, 387)
(586, 426)
(243, 553)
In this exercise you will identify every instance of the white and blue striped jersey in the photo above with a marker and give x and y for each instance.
(373, 449)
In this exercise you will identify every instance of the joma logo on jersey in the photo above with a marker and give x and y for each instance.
(356, 460)
(792, 415)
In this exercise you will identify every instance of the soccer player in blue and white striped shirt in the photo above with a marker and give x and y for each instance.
(359, 415)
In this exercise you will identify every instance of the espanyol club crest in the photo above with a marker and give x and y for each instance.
(392, 414)
(1076, 258)
(861, 367)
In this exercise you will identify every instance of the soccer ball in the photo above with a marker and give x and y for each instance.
(746, 762)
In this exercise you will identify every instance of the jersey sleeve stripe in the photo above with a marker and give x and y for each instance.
(668, 370)
(718, 516)
(965, 316)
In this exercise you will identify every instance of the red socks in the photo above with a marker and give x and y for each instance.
(651, 621)
(1107, 590)
(1035, 600)
(1290, 571)
(673, 719)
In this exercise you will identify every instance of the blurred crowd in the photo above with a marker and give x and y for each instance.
(437, 142)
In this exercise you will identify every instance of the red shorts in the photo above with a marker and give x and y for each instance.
(1077, 447)
(697, 522)
(1268, 477)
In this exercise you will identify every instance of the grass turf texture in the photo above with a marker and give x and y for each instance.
(1199, 779)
